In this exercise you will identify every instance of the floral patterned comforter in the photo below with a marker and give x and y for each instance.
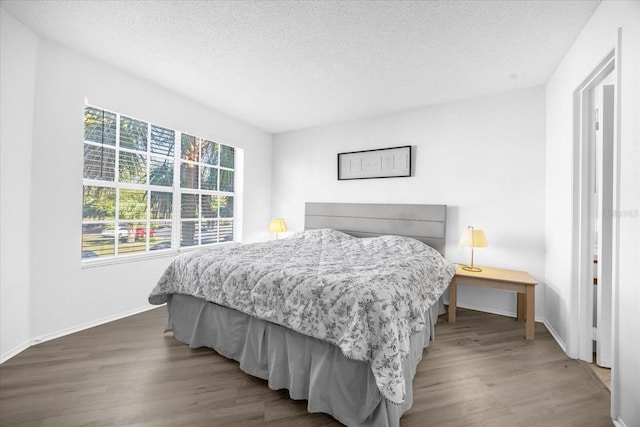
(365, 295)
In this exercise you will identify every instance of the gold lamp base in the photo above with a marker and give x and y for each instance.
(471, 267)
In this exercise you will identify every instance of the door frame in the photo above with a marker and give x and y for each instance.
(580, 338)
(582, 245)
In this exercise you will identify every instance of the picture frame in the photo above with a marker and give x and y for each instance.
(392, 162)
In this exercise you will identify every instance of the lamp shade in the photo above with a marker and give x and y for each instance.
(277, 225)
(473, 238)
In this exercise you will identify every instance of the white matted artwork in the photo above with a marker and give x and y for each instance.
(381, 163)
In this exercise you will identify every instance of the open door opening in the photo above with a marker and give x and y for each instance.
(602, 225)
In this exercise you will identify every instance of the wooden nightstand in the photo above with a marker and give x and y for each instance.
(498, 278)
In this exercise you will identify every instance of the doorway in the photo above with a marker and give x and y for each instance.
(601, 146)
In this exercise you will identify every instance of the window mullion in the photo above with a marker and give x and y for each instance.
(198, 223)
(147, 232)
(116, 180)
(177, 192)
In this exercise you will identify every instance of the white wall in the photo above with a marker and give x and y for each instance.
(483, 158)
(63, 296)
(18, 47)
(596, 40)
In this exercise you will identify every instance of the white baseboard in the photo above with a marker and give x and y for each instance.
(542, 320)
(48, 337)
(619, 423)
(555, 335)
(487, 310)
(14, 351)
(494, 311)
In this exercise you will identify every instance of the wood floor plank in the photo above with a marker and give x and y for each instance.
(480, 371)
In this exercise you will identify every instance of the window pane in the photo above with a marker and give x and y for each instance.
(161, 172)
(226, 180)
(161, 205)
(209, 206)
(93, 244)
(133, 204)
(110, 236)
(227, 156)
(226, 206)
(189, 233)
(162, 140)
(210, 152)
(133, 133)
(188, 175)
(125, 248)
(144, 234)
(99, 126)
(133, 168)
(226, 231)
(189, 206)
(132, 242)
(160, 236)
(99, 163)
(99, 203)
(189, 148)
(209, 179)
(209, 233)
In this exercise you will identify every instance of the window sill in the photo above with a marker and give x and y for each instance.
(168, 253)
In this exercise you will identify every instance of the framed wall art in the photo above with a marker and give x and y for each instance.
(380, 163)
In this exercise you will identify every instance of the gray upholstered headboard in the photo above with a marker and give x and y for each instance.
(426, 223)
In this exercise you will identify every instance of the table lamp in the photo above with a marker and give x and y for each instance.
(472, 238)
(277, 225)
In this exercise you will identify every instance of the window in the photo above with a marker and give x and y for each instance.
(135, 199)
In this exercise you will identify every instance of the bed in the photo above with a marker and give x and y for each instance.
(339, 315)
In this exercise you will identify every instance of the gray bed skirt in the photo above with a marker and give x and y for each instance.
(309, 368)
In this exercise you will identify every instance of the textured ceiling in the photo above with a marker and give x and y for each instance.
(284, 65)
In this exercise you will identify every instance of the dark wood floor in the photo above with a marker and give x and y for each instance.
(479, 372)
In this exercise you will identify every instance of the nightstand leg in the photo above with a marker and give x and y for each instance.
(522, 298)
(453, 290)
(530, 325)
